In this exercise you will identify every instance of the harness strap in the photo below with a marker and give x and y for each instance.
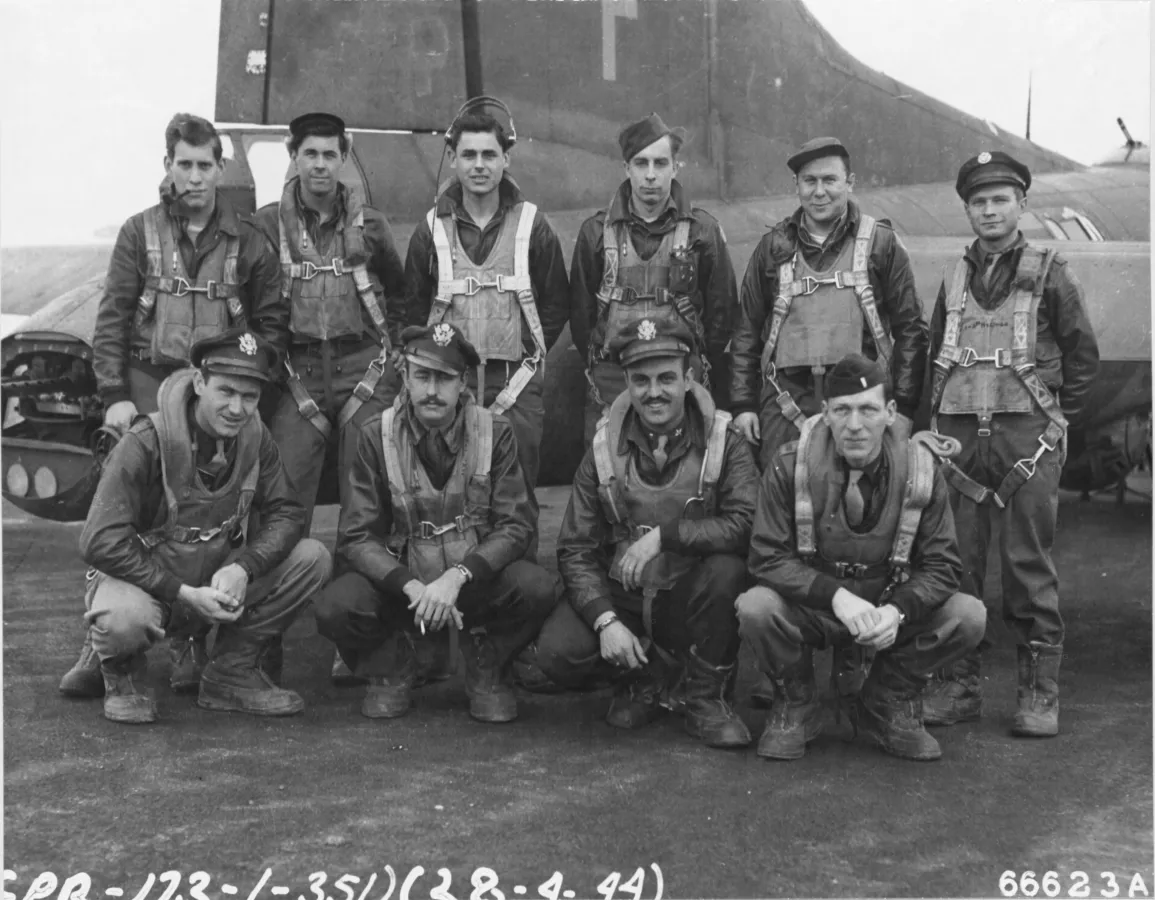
(607, 480)
(1030, 281)
(306, 405)
(924, 448)
(803, 502)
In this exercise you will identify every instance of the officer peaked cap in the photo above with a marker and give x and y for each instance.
(651, 339)
(991, 167)
(442, 347)
(319, 123)
(237, 351)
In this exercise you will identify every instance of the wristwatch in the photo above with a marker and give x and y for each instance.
(464, 571)
(604, 621)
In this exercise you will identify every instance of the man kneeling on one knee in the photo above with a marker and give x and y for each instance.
(432, 534)
(167, 537)
(854, 544)
(651, 547)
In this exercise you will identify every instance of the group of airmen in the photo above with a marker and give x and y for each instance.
(233, 354)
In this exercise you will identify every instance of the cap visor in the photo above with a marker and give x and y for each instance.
(225, 368)
(432, 362)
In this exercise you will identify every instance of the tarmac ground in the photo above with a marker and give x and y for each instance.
(324, 801)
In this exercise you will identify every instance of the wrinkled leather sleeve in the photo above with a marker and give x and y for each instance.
(585, 277)
(113, 332)
(728, 531)
(585, 546)
(718, 288)
(385, 264)
(1072, 331)
(755, 301)
(259, 272)
(127, 502)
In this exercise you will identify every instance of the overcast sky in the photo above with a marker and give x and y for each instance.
(86, 86)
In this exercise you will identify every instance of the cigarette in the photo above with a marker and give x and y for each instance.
(421, 622)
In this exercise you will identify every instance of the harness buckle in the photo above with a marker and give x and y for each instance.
(499, 284)
(460, 523)
(183, 288)
(1027, 466)
(472, 285)
(968, 357)
(1002, 358)
(338, 267)
(843, 280)
(424, 530)
(308, 271)
(850, 570)
(809, 285)
(211, 291)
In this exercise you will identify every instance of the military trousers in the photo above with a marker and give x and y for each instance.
(1030, 581)
(360, 618)
(777, 631)
(329, 375)
(125, 620)
(698, 611)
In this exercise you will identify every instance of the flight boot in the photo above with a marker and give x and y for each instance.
(889, 712)
(84, 679)
(1038, 713)
(796, 714)
(638, 695)
(189, 657)
(389, 694)
(955, 694)
(341, 675)
(233, 680)
(708, 716)
(529, 676)
(127, 699)
(273, 661)
(488, 676)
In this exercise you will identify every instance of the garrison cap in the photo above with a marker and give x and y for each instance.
(237, 351)
(651, 339)
(991, 167)
(442, 347)
(639, 135)
(817, 148)
(316, 123)
(853, 374)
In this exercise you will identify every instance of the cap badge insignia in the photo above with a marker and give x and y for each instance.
(248, 344)
(984, 158)
(647, 331)
(442, 335)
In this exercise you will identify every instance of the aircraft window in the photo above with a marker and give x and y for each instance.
(1074, 230)
(1088, 226)
(1054, 228)
(1030, 225)
(227, 149)
(268, 161)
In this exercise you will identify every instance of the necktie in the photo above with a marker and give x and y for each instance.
(990, 269)
(853, 500)
(660, 454)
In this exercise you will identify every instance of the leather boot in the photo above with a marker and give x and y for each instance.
(389, 695)
(488, 677)
(189, 657)
(127, 699)
(638, 694)
(889, 712)
(528, 675)
(708, 715)
(84, 679)
(796, 715)
(955, 695)
(1038, 714)
(234, 681)
(341, 675)
(273, 662)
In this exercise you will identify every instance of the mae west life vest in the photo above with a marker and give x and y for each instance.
(634, 507)
(175, 311)
(633, 289)
(436, 529)
(880, 557)
(488, 301)
(197, 529)
(818, 316)
(986, 365)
